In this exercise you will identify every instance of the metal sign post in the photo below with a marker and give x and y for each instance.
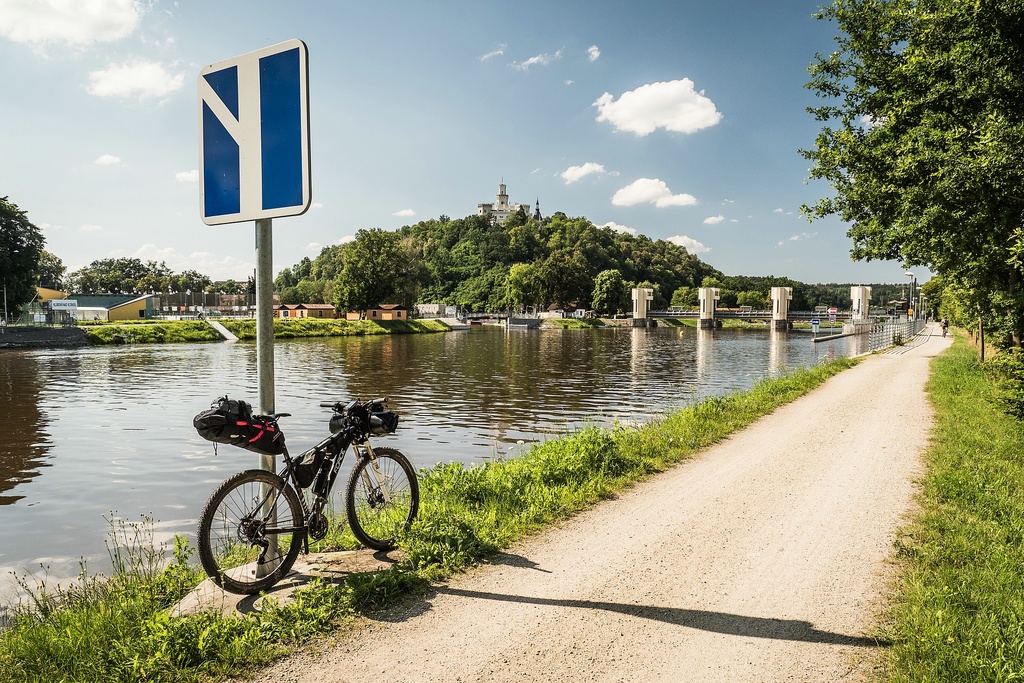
(265, 324)
(254, 165)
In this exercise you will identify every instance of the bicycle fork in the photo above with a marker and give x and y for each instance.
(378, 492)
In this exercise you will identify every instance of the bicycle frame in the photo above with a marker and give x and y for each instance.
(335, 448)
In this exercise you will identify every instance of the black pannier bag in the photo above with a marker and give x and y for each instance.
(231, 421)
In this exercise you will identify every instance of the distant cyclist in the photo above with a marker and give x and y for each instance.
(945, 326)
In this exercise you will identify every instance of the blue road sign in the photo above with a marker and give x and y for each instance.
(254, 135)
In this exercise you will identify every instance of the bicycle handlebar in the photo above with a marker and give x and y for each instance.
(336, 405)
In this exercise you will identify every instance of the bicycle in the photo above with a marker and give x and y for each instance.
(256, 522)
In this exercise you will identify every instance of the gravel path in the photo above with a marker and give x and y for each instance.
(762, 559)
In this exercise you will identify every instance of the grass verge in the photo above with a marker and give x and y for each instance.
(314, 327)
(959, 614)
(119, 630)
(573, 323)
(176, 331)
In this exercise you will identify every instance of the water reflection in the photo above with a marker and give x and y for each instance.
(26, 445)
(101, 431)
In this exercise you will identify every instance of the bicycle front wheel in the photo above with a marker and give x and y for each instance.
(250, 532)
(383, 497)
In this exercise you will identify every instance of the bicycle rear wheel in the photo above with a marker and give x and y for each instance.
(383, 497)
(250, 532)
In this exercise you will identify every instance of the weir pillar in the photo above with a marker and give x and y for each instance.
(781, 296)
(641, 297)
(861, 297)
(707, 296)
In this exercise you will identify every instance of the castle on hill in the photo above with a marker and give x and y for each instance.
(501, 209)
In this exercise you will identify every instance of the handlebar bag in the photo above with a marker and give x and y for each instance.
(383, 422)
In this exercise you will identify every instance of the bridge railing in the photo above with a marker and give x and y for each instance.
(891, 333)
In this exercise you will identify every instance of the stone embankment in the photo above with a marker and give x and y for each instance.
(17, 337)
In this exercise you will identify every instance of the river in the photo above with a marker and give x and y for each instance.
(101, 433)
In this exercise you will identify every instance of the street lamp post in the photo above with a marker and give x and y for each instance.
(913, 293)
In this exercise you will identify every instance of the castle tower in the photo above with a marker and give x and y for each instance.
(501, 209)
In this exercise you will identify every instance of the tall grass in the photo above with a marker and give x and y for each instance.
(318, 327)
(960, 609)
(119, 629)
(177, 331)
(168, 332)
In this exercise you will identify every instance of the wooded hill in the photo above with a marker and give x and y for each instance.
(521, 265)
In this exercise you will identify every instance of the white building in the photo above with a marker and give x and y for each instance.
(501, 209)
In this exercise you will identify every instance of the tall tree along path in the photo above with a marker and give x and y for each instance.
(765, 558)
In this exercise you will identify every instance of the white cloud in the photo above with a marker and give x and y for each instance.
(653, 191)
(404, 213)
(798, 237)
(346, 239)
(496, 53)
(187, 176)
(672, 105)
(619, 228)
(576, 173)
(89, 227)
(314, 246)
(593, 53)
(691, 245)
(539, 60)
(778, 211)
(38, 22)
(568, 81)
(712, 220)
(137, 78)
(108, 160)
(316, 205)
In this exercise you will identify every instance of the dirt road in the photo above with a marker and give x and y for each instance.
(763, 559)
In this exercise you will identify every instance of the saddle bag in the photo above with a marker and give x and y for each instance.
(231, 421)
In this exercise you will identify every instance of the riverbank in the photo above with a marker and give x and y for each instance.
(180, 331)
(119, 629)
(28, 337)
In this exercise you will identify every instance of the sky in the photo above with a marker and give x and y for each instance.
(679, 120)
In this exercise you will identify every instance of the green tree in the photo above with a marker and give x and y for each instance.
(756, 300)
(611, 293)
(565, 279)
(374, 265)
(51, 270)
(21, 247)
(685, 297)
(158, 278)
(193, 281)
(924, 141)
(126, 275)
(522, 287)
